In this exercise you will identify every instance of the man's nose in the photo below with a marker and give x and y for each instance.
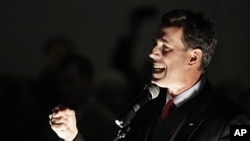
(155, 53)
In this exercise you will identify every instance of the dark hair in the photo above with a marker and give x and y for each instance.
(85, 67)
(62, 42)
(198, 32)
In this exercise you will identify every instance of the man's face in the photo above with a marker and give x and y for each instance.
(170, 59)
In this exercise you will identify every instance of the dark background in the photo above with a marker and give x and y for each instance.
(96, 27)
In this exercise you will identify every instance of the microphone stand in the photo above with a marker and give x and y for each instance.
(122, 133)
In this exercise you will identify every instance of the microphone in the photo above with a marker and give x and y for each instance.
(149, 92)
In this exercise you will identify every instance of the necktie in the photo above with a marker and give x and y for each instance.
(168, 108)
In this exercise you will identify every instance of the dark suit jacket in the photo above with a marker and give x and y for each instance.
(205, 117)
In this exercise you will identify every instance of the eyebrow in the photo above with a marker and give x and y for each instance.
(164, 40)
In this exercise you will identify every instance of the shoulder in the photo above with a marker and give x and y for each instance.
(212, 104)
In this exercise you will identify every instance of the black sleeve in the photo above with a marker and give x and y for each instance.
(79, 138)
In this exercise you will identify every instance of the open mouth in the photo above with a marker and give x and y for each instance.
(158, 69)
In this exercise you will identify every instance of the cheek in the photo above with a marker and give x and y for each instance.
(176, 66)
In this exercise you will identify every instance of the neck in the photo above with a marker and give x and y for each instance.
(184, 85)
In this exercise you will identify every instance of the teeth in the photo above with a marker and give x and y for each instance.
(158, 67)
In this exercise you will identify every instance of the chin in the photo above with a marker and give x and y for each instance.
(159, 82)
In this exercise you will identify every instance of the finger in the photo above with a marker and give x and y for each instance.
(58, 120)
(68, 112)
(59, 127)
(58, 108)
(60, 113)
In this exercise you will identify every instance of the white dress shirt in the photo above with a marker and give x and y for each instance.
(186, 95)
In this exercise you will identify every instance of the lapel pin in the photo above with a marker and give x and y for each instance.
(191, 124)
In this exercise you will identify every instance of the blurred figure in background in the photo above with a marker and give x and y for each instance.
(54, 51)
(123, 81)
(76, 89)
(44, 88)
(36, 96)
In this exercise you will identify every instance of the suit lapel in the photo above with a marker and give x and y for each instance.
(196, 112)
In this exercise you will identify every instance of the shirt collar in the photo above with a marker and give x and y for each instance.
(191, 92)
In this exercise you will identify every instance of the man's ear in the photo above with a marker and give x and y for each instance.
(195, 56)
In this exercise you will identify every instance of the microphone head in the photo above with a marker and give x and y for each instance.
(153, 90)
(150, 92)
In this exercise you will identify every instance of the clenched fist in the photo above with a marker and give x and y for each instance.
(63, 123)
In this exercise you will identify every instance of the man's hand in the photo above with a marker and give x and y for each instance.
(63, 123)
